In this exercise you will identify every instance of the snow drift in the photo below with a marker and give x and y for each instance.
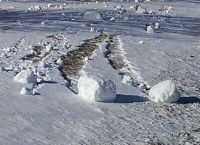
(96, 89)
(164, 92)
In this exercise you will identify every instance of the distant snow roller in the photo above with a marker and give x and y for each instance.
(96, 89)
(164, 92)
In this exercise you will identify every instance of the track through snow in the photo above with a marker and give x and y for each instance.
(118, 60)
(108, 39)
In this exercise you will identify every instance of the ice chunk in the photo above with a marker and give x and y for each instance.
(164, 92)
(96, 89)
(25, 76)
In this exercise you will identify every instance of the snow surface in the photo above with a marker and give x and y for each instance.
(37, 35)
(164, 92)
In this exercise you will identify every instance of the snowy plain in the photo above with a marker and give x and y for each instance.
(143, 43)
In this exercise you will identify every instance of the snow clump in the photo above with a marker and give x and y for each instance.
(26, 91)
(149, 29)
(96, 89)
(92, 15)
(26, 77)
(164, 92)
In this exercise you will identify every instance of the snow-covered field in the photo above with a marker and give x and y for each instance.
(94, 72)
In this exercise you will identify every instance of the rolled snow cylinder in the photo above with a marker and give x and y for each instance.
(164, 92)
(96, 89)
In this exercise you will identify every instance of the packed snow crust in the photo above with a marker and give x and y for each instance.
(96, 89)
(164, 92)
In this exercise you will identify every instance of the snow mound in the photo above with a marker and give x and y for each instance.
(26, 76)
(164, 92)
(96, 89)
(92, 15)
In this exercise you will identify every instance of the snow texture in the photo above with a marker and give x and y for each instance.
(164, 92)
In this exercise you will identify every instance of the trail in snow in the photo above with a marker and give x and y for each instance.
(118, 60)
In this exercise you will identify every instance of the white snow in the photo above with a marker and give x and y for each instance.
(96, 89)
(26, 76)
(164, 92)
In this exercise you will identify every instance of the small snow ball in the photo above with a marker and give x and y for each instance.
(92, 15)
(96, 89)
(164, 92)
(26, 77)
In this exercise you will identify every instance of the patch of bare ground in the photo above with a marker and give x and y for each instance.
(116, 61)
